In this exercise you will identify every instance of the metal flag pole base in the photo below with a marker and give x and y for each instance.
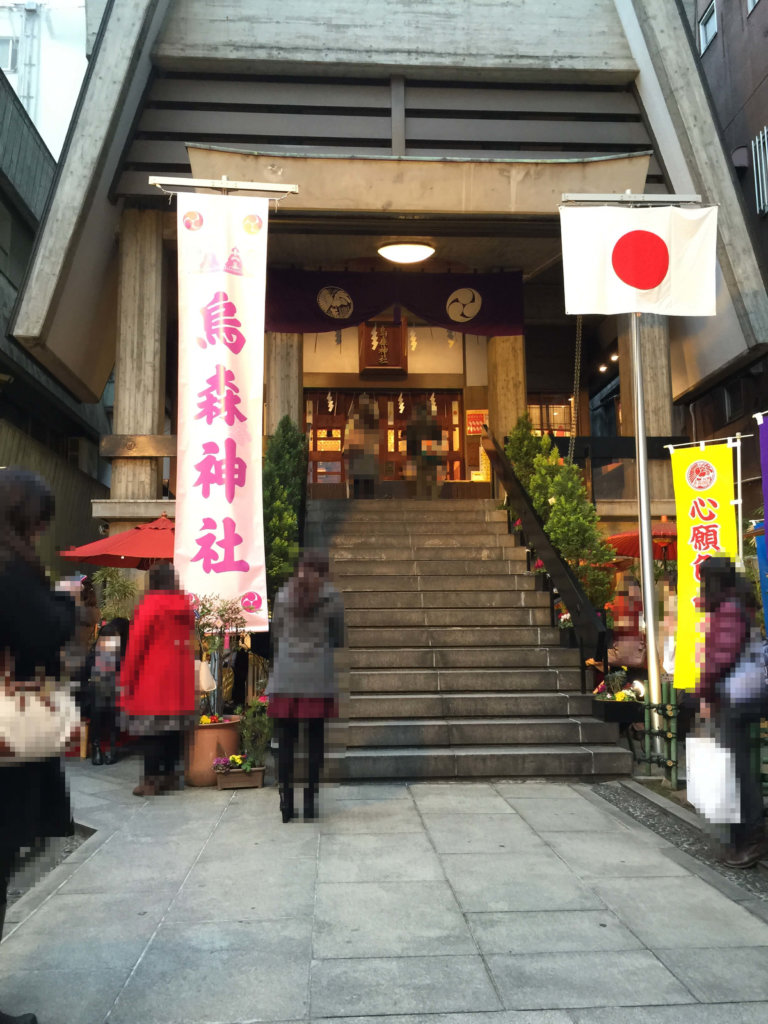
(644, 523)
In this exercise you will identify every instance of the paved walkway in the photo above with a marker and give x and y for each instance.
(478, 903)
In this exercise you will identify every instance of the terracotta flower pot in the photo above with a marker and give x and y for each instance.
(237, 778)
(219, 739)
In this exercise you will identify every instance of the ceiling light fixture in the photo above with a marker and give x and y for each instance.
(602, 368)
(406, 252)
(614, 357)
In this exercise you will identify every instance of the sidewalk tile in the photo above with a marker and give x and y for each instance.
(517, 790)
(698, 1013)
(372, 816)
(602, 855)
(571, 815)
(458, 798)
(130, 863)
(486, 882)
(74, 997)
(721, 975)
(388, 919)
(438, 984)
(552, 980)
(276, 889)
(405, 857)
(481, 833)
(490, 1017)
(682, 912)
(550, 931)
(219, 972)
(85, 932)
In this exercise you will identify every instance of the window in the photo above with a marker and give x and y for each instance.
(751, 5)
(9, 54)
(707, 27)
(760, 170)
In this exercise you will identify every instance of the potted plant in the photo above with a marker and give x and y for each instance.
(617, 700)
(216, 735)
(246, 769)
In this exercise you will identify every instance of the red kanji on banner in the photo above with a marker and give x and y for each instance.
(211, 560)
(220, 399)
(227, 472)
(704, 509)
(705, 537)
(220, 323)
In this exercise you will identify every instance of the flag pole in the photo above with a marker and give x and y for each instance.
(644, 518)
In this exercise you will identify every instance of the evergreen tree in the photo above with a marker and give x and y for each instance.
(283, 488)
(546, 469)
(522, 448)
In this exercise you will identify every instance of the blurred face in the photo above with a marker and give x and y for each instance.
(110, 643)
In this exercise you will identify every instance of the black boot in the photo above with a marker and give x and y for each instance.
(25, 1018)
(96, 757)
(286, 803)
(309, 804)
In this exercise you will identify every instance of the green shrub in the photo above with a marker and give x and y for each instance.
(118, 593)
(521, 448)
(283, 484)
(546, 468)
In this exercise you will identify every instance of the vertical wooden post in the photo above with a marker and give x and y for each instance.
(140, 356)
(283, 378)
(657, 385)
(507, 389)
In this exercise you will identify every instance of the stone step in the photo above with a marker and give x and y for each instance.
(365, 580)
(386, 514)
(462, 657)
(458, 553)
(502, 762)
(404, 506)
(351, 529)
(468, 600)
(478, 566)
(480, 704)
(481, 636)
(457, 680)
(439, 732)
(415, 543)
(385, 617)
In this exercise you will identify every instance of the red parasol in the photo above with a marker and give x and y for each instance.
(664, 542)
(134, 549)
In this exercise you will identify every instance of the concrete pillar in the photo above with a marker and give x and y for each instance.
(507, 390)
(140, 356)
(283, 378)
(657, 385)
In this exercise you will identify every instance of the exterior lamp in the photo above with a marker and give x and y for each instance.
(614, 357)
(406, 252)
(602, 368)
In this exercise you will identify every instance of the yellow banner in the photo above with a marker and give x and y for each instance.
(706, 526)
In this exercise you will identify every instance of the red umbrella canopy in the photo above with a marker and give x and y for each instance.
(133, 549)
(664, 542)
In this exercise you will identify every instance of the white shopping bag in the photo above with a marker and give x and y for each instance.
(713, 788)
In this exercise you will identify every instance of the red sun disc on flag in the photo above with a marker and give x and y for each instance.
(641, 259)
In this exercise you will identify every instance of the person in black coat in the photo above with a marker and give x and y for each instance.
(35, 623)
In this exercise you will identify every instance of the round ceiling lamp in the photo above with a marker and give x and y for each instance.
(406, 252)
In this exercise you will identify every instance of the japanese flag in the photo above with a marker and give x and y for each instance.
(654, 260)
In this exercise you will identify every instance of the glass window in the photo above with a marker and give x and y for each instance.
(751, 5)
(9, 54)
(707, 27)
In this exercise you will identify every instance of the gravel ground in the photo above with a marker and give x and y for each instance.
(693, 841)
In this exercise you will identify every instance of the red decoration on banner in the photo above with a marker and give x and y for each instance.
(641, 259)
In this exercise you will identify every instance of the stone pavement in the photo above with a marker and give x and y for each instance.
(432, 903)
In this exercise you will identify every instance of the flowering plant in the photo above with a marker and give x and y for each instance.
(255, 729)
(539, 567)
(565, 621)
(212, 719)
(222, 765)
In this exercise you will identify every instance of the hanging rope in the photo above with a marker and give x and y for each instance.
(576, 387)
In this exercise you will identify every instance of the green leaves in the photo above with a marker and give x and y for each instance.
(283, 482)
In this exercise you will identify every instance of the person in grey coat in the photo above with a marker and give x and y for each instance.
(307, 625)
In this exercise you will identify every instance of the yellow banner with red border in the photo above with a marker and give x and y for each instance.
(706, 526)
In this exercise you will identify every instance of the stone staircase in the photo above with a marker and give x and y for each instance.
(455, 670)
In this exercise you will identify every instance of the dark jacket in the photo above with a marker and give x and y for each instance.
(35, 623)
(725, 634)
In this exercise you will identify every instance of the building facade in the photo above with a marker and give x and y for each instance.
(42, 427)
(462, 128)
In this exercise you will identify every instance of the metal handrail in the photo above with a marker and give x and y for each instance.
(589, 627)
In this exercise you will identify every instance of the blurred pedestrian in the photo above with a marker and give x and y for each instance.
(307, 624)
(108, 654)
(34, 626)
(424, 447)
(732, 692)
(157, 679)
(361, 450)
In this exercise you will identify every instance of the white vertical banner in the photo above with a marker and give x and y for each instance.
(222, 242)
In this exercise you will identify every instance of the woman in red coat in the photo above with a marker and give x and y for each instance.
(157, 679)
